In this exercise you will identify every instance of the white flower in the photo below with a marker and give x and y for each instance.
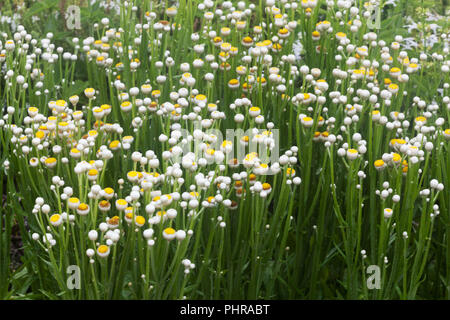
(90, 252)
(103, 251)
(93, 235)
(148, 233)
(169, 234)
(180, 235)
(388, 213)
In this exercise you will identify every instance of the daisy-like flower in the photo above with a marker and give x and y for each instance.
(421, 120)
(261, 80)
(341, 36)
(50, 162)
(240, 25)
(77, 115)
(139, 221)
(283, 33)
(254, 111)
(103, 251)
(89, 93)
(412, 67)
(238, 184)
(261, 169)
(34, 162)
(200, 99)
(126, 106)
(92, 174)
(114, 145)
(252, 178)
(128, 139)
(290, 172)
(63, 126)
(146, 88)
(104, 205)
(73, 203)
(446, 134)
(133, 176)
(250, 159)
(225, 47)
(225, 31)
(379, 164)
(108, 193)
(307, 122)
(388, 213)
(93, 134)
(169, 234)
(396, 158)
(266, 187)
(352, 154)
(317, 136)
(113, 222)
(212, 107)
(56, 220)
(106, 109)
(226, 146)
(10, 45)
(376, 115)
(395, 72)
(315, 35)
(393, 88)
(75, 153)
(233, 83)
(83, 209)
(161, 215)
(121, 204)
(60, 106)
(398, 144)
(33, 111)
(171, 11)
(247, 42)
(129, 215)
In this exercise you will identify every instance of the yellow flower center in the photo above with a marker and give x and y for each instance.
(103, 248)
(55, 218)
(379, 163)
(169, 231)
(140, 220)
(122, 202)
